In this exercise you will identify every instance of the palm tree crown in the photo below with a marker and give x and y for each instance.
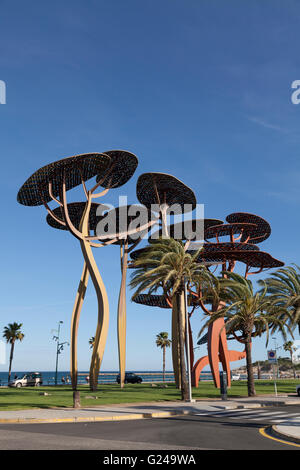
(165, 264)
(162, 340)
(284, 289)
(12, 333)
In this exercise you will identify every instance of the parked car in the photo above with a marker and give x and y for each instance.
(130, 378)
(32, 379)
(235, 377)
(298, 390)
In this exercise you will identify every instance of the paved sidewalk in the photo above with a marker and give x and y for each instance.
(289, 430)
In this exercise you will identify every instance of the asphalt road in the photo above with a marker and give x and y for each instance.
(226, 430)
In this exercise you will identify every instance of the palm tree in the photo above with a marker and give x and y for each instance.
(165, 264)
(258, 370)
(12, 333)
(163, 342)
(284, 290)
(288, 346)
(249, 313)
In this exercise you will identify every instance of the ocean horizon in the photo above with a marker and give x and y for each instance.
(108, 376)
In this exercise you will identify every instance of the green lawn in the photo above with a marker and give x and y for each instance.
(61, 396)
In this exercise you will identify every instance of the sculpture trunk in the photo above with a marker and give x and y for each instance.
(74, 325)
(103, 306)
(122, 316)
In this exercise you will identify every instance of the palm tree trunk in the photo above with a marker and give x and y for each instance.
(175, 345)
(11, 358)
(181, 330)
(258, 371)
(164, 363)
(294, 372)
(250, 375)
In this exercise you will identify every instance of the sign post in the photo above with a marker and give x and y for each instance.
(272, 358)
(223, 385)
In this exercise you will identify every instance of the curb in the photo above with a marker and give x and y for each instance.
(287, 437)
(92, 419)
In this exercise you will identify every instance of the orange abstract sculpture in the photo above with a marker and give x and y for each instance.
(251, 228)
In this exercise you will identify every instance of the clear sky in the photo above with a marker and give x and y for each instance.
(200, 89)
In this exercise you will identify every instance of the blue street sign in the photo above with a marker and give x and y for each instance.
(272, 356)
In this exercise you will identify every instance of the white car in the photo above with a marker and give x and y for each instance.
(235, 377)
(33, 379)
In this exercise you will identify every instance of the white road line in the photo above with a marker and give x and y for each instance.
(228, 413)
(265, 413)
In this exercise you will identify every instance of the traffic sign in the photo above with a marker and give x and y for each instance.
(272, 356)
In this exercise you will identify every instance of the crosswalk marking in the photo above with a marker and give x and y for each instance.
(263, 416)
(250, 414)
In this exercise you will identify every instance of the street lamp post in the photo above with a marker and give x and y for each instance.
(59, 348)
(188, 346)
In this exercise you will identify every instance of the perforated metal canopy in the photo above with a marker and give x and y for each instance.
(255, 259)
(161, 188)
(35, 191)
(127, 222)
(187, 230)
(153, 300)
(118, 165)
(215, 250)
(123, 167)
(107, 222)
(75, 210)
(217, 231)
(263, 229)
(228, 246)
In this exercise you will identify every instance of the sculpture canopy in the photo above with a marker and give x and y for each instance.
(111, 219)
(187, 230)
(75, 210)
(35, 190)
(117, 223)
(263, 229)
(217, 231)
(228, 246)
(119, 166)
(123, 164)
(154, 300)
(217, 250)
(255, 259)
(164, 189)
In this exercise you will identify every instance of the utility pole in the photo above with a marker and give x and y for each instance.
(187, 345)
(59, 348)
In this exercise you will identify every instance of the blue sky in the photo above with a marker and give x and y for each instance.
(199, 89)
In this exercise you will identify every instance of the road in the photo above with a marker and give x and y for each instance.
(223, 430)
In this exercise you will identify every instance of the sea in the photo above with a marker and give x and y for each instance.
(104, 377)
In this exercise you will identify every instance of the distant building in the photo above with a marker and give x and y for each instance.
(296, 353)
